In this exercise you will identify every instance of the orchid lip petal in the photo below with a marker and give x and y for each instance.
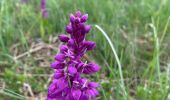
(76, 93)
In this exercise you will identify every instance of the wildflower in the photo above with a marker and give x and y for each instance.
(68, 84)
(44, 11)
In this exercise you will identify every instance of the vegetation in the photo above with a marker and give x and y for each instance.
(134, 58)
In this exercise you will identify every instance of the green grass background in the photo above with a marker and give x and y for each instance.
(138, 29)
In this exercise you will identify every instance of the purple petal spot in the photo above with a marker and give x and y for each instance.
(69, 29)
(63, 48)
(87, 28)
(72, 18)
(84, 18)
(72, 70)
(78, 14)
(57, 65)
(63, 38)
(60, 57)
(90, 45)
(76, 93)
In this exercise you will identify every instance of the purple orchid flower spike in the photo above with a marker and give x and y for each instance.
(44, 11)
(68, 84)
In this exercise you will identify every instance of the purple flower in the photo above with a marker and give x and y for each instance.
(57, 65)
(44, 11)
(63, 38)
(89, 45)
(68, 84)
(84, 18)
(59, 74)
(91, 68)
(60, 57)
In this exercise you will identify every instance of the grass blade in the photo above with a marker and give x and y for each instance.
(157, 50)
(116, 57)
(12, 94)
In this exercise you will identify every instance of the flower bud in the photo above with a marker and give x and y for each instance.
(57, 65)
(90, 45)
(69, 29)
(84, 18)
(58, 74)
(63, 38)
(63, 48)
(87, 28)
(78, 14)
(76, 93)
(72, 18)
(60, 57)
(91, 68)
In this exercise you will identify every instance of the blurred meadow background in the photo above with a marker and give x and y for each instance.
(139, 30)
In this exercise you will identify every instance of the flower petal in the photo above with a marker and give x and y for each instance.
(69, 97)
(89, 45)
(57, 65)
(93, 84)
(84, 18)
(78, 14)
(53, 90)
(92, 92)
(69, 29)
(58, 74)
(87, 28)
(72, 18)
(84, 97)
(63, 38)
(76, 93)
(60, 57)
(91, 68)
(63, 48)
(71, 43)
(72, 70)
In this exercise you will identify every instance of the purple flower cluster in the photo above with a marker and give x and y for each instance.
(44, 11)
(68, 84)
